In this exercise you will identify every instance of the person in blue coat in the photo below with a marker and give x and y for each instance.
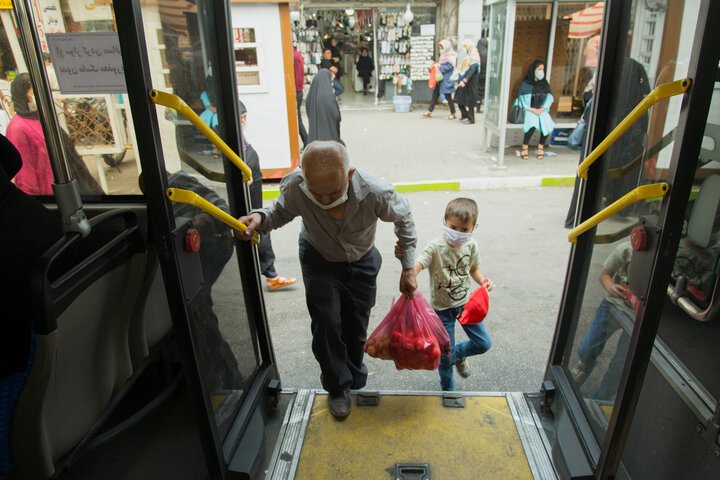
(446, 87)
(535, 98)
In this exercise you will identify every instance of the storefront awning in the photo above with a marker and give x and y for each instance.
(586, 22)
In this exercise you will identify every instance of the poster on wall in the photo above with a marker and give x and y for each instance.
(87, 63)
(48, 19)
(90, 11)
(248, 60)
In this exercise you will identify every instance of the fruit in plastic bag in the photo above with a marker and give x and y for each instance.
(411, 334)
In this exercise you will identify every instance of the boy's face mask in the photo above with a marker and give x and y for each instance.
(455, 238)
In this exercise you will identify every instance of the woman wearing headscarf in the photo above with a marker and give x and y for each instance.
(25, 133)
(322, 109)
(446, 87)
(265, 250)
(467, 93)
(535, 98)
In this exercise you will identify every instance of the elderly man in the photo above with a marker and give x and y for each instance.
(340, 207)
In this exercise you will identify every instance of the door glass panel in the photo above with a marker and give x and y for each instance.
(496, 48)
(84, 69)
(597, 353)
(689, 326)
(180, 40)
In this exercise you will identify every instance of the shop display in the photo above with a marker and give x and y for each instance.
(400, 57)
(421, 56)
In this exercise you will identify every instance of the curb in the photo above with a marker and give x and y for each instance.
(487, 183)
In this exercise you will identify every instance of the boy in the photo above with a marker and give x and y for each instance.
(452, 260)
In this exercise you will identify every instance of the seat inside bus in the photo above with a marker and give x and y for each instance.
(86, 291)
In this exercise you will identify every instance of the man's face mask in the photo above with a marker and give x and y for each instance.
(342, 199)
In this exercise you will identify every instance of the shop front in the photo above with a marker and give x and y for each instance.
(400, 38)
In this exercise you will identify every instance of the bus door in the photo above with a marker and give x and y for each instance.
(180, 51)
(632, 376)
(184, 49)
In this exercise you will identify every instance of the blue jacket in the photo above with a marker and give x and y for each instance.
(447, 85)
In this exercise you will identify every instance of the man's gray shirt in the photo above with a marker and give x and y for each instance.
(369, 199)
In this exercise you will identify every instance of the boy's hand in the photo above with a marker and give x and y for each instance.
(408, 282)
(490, 285)
(399, 251)
(617, 291)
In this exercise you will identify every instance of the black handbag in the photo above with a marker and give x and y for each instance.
(517, 113)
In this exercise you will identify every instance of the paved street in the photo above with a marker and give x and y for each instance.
(523, 243)
(524, 250)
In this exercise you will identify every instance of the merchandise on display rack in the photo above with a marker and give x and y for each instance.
(421, 56)
(315, 27)
(402, 54)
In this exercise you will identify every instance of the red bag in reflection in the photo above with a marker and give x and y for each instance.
(411, 334)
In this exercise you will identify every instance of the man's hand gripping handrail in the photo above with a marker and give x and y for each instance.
(192, 198)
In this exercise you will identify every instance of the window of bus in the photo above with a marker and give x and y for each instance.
(84, 69)
(181, 41)
(655, 40)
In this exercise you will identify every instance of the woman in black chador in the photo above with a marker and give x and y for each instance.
(322, 109)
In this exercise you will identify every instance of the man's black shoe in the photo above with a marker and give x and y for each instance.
(339, 404)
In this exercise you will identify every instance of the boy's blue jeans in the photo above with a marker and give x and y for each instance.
(606, 323)
(478, 343)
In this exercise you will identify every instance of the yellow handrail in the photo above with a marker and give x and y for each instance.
(192, 198)
(661, 91)
(173, 101)
(640, 193)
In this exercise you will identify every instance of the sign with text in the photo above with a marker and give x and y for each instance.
(427, 30)
(87, 63)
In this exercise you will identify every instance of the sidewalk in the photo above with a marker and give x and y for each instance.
(416, 153)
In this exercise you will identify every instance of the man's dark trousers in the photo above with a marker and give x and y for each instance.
(339, 298)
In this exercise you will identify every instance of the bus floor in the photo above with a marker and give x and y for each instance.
(494, 435)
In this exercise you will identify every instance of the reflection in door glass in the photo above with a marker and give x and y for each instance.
(689, 325)
(653, 46)
(180, 39)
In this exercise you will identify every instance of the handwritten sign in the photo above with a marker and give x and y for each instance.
(87, 63)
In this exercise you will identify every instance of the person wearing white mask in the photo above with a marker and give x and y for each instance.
(452, 261)
(535, 98)
(340, 207)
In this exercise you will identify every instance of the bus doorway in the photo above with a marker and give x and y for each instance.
(244, 423)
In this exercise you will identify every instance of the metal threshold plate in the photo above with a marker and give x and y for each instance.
(488, 437)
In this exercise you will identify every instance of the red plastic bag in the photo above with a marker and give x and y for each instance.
(432, 81)
(411, 334)
(476, 307)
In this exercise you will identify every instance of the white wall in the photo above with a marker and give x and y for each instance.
(267, 127)
(469, 24)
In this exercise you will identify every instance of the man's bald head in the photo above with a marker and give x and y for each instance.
(326, 169)
(325, 158)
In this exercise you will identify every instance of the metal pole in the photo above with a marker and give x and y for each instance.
(30, 43)
(67, 194)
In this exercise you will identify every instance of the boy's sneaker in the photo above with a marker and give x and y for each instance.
(462, 367)
(580, 373)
